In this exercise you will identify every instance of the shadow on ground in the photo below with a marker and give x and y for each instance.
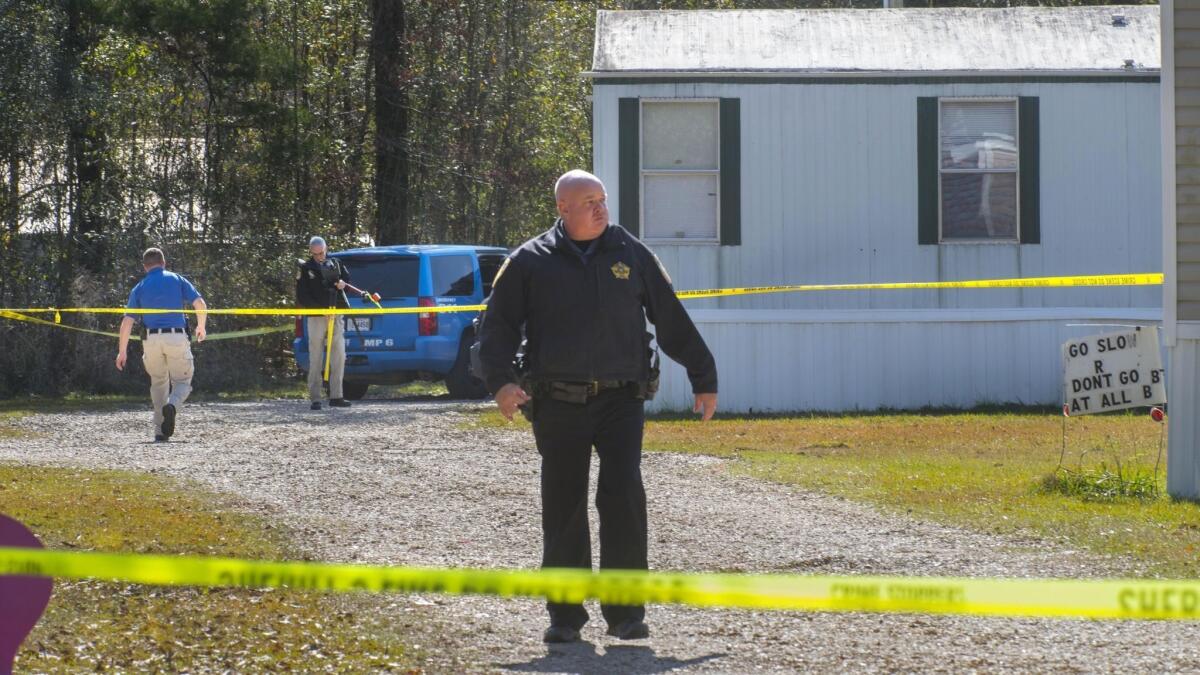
(582, 657)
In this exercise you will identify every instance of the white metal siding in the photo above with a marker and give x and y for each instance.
(829, 194)
(853, 360)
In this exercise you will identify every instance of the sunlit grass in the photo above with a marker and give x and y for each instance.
(986, 471)
(416, 388)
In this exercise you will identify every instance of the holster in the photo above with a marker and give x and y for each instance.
(529, 407)
(646, 390)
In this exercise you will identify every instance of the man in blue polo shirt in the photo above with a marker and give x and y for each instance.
(166, 351)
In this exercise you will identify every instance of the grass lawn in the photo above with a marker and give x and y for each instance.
(414, 389)
(108, 626)
(985, 471)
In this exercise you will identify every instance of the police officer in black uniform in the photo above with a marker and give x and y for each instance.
(320, 281)
(582, 291)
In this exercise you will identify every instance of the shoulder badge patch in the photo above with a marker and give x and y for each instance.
(662, 268)
(499, 272)
(620, 270)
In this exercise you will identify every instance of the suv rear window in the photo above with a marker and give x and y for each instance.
(452, 275)
(488, 266)
(389, 276)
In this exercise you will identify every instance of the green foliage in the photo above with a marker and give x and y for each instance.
(1121, 473)
(1104, 484)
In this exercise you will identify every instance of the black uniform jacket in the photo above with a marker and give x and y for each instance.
(586, 320)
(316, 284)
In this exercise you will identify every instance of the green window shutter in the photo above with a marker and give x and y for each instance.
(731, 172)
(927, 170)
(1029, 155)
(629, 164)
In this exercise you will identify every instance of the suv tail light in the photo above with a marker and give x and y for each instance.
(427, 322)
(299, 326)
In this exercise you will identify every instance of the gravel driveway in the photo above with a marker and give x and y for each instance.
(406, 483)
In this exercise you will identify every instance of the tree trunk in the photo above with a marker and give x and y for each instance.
(389, 55)
(86, 146)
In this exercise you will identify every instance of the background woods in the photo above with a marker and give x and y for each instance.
(228, 131)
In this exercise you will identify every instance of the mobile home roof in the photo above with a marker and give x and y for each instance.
(1100, 40)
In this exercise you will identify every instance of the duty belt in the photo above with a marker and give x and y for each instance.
(597, 386)
(577, 392)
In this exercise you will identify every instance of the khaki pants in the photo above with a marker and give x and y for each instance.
(317, 328)
(168, 360)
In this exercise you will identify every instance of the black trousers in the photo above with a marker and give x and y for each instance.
(612, 422)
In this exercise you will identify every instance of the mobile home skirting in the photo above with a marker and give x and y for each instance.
(834, 360)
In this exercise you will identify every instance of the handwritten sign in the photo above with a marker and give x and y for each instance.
(1113, 371)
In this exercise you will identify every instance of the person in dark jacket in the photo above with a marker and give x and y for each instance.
(319, 284)
(583, 291)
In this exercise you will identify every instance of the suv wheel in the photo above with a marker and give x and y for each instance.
(354, 390)
(459, 381)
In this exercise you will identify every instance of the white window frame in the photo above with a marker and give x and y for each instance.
(643, 173)
(1014, 100)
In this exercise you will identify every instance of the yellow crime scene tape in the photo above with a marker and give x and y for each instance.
(1094, 280)
(228, 335)
(1139, 279)
(1055, 598)
(251, 311)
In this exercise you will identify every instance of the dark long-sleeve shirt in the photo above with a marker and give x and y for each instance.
(585, 316)
(316, 284)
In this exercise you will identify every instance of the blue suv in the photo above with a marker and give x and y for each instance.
(399, 348)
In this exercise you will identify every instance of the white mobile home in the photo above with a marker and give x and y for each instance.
(765, 147)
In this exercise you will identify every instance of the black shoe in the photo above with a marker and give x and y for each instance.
(339, 403)
(316, 405)
(630, 629)
(555, 634)
(168, 425)
(159, 438)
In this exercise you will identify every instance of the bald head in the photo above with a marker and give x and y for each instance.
(582, 203)
(575, 178)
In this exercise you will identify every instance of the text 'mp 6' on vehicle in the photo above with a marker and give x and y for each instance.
(399, 348)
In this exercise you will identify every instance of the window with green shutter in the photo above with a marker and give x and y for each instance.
(977, 170)
(680, 170)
